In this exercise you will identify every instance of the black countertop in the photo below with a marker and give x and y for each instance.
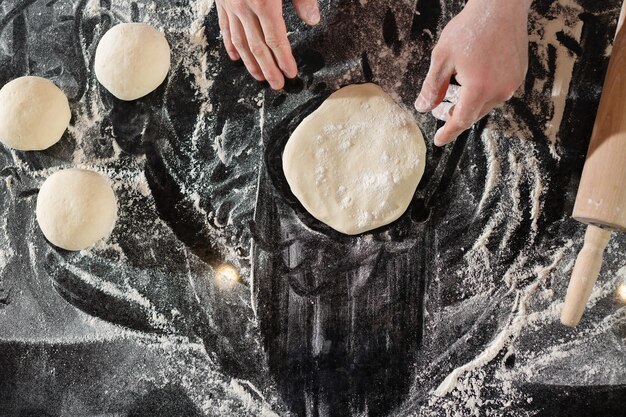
(450, 310)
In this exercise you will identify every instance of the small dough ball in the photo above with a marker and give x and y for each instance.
(132, 60)
(34, 113)
(355, 162)
(76, 208)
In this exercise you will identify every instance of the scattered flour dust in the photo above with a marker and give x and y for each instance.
(5, 256)
(123, 293)
(466, 382)
(6, 251)
(521, 168)
(196, 63)
(229, 252)
(494, 170)
(198, 40)
(239, 388)
(537, 192)
(565, 60)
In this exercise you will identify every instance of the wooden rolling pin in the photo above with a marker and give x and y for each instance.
(601, 198)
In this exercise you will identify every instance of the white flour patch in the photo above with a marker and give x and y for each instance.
(489, 138)
(572, 26)
(5, 256)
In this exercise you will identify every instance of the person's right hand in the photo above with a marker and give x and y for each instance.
(485, 47)
(255, 32)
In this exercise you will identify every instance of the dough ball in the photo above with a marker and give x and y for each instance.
(355, 162)
(34, 113)
(132, 60)
(76, 208)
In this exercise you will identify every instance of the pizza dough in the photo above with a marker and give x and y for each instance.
(132, 60)
(355, 162)
(76, 208)
(34, 113)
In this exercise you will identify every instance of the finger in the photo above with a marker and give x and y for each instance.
(238, 37)
(435, 84)
(261, 52)
(308, 11)
(487, 109)
(222, 17)
(466, 112)
(275, 34)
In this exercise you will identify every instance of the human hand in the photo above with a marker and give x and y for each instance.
(486, 48)
(255, 32)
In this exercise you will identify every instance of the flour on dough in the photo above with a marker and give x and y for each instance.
(355, 162)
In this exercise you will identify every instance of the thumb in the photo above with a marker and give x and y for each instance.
(435, 84)
(308, 11)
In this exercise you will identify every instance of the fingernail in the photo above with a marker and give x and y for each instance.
(421, 104)
(313, 14)
(437, 139)
(291, 74)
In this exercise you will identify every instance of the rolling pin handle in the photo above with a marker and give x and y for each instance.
(584, 275)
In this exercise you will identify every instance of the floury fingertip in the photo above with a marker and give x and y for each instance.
(313, 15)
(421, 104)
(437, 141)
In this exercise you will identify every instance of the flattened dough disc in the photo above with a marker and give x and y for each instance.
(355, 162)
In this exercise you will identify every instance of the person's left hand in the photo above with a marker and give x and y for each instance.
(486, 48)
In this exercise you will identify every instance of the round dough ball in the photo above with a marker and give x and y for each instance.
(132, 60)
(355, 162)
(34, 113)
(76, 208)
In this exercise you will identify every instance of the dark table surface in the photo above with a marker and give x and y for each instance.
(451, 310)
